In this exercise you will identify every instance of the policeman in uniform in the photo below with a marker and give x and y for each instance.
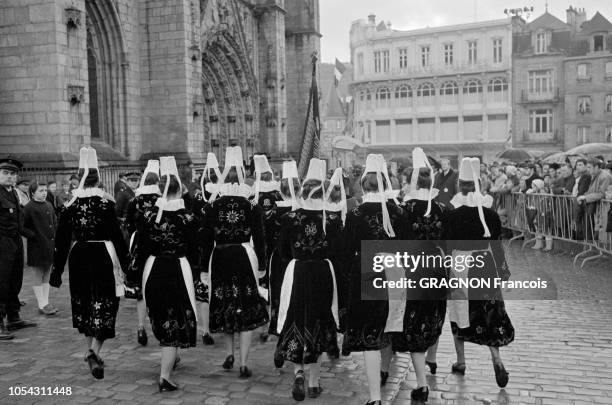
(123, 198)
(11, 250)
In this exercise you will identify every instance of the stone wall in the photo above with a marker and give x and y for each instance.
(150, 74)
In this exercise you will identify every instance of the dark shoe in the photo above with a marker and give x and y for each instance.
(164, 385)
(501, 375)
(334, 354)
(96, 366)
(245, 372)
(346, 352)
(458, 368)
(314, 392)
(142, 337)
(4, 333)
(384, 375)
(263, 338)
(207, 339)
(374, 403)
(420, 394)
(47, 310)
(18, 323)
(279, 360)
(229, 362)
(432, 366)
(298, 392)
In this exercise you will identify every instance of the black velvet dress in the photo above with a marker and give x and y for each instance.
(277, 265)
(267, 201)
(235, 303)
(134, 222)
(489, 323)
(423, 318)
(366, 319)
(309, 327)
(199, 206)
(90, 221)
(162, 248)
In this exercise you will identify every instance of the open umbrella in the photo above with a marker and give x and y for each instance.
(591, 149)
(561, 157)
(515, 155)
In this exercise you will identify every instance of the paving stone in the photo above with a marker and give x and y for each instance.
(561, 355)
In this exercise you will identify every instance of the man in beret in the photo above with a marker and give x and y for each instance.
(23, 191)
(11, 250)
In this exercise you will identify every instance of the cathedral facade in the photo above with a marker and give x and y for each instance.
(143, 78)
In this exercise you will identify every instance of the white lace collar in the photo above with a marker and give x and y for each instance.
(312, 204)
(236, 190)
(211, 187)
(150, 189)
(421, 194)
(91, 192)
(170, 205)
(471, 200)
(335, 207)
(285, 203)
(373, 198)
(267, 186)
(392, 194)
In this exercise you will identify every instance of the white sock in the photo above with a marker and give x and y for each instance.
(38, 292)
(46, 288)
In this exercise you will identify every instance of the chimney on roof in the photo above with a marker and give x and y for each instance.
(580, 18)
(372, 19)
(575, 17)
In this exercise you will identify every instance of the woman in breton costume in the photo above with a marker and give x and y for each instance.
(95, 260)
(169, 247)
(266, 195)
(234, 248)
(375, 219)
(478, 315)
(423, 316)
(311, 240)
(146, 196)
(209, 190)
(289, 188)
(335, 198)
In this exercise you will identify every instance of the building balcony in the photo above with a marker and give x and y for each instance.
(540, 138)
(431, 70)
(551, 96)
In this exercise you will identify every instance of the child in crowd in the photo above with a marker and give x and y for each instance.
(39, 228)
(539, 211)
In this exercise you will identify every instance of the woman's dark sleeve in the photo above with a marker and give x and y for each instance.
(63, 237)
(141, 253)
(131, 217)
(259, 239)
(193, 251)
(116, 236)
(28, 230)
(207, 236)
(283, 243)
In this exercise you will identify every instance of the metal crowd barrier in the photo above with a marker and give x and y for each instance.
(558, 217)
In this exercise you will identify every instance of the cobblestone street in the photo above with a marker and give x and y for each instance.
(562, 354)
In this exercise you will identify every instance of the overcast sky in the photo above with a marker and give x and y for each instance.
(337, 15)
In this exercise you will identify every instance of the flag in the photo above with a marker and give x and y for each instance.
(312, 129)
(339, 70)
